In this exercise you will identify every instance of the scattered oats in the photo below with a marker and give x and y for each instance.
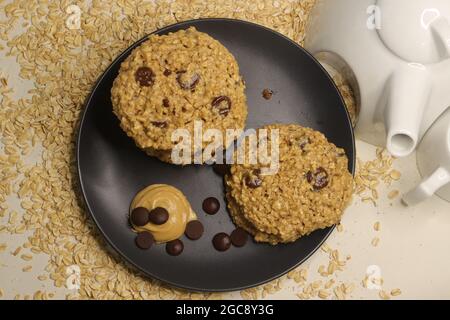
(338, 293)
(26, 257)
(371, 200)
(325, 248)
(348, 288)
(1, 293)
(17, 297)
(27, 268)
(339, 228)
(393, 194)
(371, 173)
(365, 282)
(375, 241)
(329, 284)
(42, 277)
(383, 295)
(377, 226)
(17, 251)
(303, 296)
(3, 247)
(396, 292)
(12, 217)
(395, 175)
(316, 284)
(323, 294)
(38, 295)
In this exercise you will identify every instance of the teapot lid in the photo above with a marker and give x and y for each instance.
(416, 31)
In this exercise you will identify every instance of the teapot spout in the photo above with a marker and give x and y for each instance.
(408, 92)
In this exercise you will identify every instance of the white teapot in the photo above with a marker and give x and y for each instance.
(396, 56)
(433, 160)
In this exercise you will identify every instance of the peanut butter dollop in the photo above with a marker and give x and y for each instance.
(171, 199)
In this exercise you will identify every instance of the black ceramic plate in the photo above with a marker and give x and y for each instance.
(112, 169)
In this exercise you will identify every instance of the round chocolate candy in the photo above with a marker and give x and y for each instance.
(239, 237)
(144, 240)
(139, 216)
(194, 230)
(174, 247)
(211, 205)
(158, 216)
(221, 241)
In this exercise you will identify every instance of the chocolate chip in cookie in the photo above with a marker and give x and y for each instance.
(145, 76)
(160, 124)
(252, 179)
(318, 179)
(303, 142)
(222, 104)
(187, 81)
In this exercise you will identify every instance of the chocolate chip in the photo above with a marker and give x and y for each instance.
(158, 216)
(267, 94)
(160, 124)
(166, 103)
(145, 76)
(167, 72)
(252, 180)
(139, 216)
(221, 241)
(221, 169)
(211, 205)
(190, 83)
(194, 230)
(239, 237)
(144, 240)
(222, 104)
(174, 247)
(318, 178)
(303, 142)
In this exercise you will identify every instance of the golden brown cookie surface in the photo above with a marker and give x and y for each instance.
(309, 192)
(171, 81)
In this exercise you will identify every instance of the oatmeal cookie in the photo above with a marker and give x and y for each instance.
(310, 190)
(170, 81)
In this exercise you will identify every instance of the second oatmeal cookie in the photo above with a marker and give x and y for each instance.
(310, 191)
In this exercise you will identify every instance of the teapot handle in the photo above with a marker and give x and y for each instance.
(439, 178)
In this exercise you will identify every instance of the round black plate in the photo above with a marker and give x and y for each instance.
(112, 169)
